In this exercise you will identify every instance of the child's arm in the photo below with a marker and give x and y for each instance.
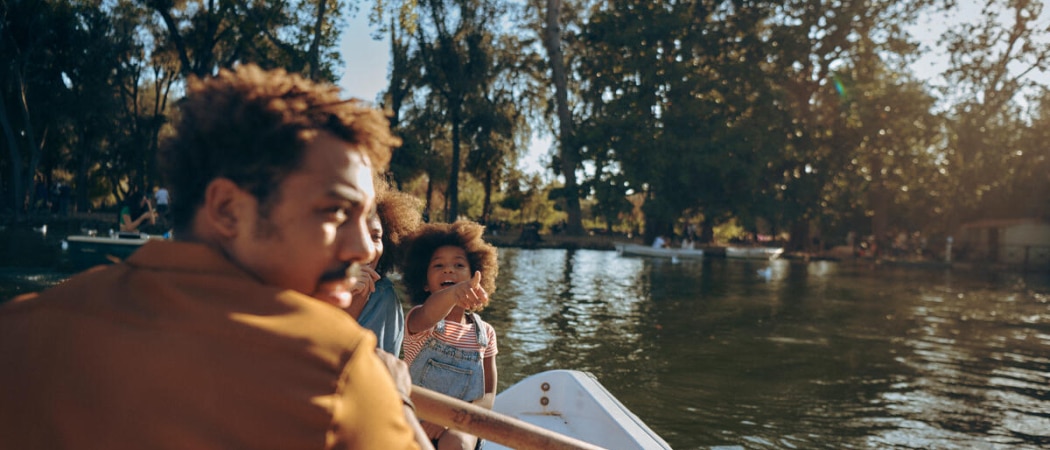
(489, 399)
(467, 294)
(130, 225)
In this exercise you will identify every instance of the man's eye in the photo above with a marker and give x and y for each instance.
(335, 211)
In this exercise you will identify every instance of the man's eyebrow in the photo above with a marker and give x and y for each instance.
(349, 194)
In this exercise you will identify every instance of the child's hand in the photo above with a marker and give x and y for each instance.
(470, 294)
(366, 282)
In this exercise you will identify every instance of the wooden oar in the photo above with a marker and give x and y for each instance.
(489, 425)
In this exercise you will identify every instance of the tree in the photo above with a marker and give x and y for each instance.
(989, 68)
(456, 47)
(208, 35)
(809, 43)
(36, 39)
(569, 155)
(104, 85)
(1030, 187)
(670, 92)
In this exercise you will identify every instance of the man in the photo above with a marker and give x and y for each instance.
(218, 340)
(163, 199)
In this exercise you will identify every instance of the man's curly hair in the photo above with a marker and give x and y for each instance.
(481, 255)
(399, 215)
(252, 126)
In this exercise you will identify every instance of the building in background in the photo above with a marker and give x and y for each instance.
(1015, 242)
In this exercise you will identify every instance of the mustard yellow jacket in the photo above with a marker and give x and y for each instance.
(176, 347)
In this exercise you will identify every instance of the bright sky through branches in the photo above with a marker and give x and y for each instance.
(365, 76)
(367, 61)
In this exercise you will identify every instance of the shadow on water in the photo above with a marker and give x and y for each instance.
(758, 354)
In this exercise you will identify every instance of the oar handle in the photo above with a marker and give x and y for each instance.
(489, 425)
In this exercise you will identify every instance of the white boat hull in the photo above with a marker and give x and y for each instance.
(575, 404)
(662, 252)
(754, 252)
(88, 251)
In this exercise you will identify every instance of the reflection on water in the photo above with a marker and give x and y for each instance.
(15, 281)
(755, 354)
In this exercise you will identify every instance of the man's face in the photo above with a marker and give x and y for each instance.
(317, 223)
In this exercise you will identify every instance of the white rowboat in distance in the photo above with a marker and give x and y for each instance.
(86, 251)
(754, 252)
(626, 249)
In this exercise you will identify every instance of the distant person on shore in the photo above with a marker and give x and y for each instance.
(163, 198)
(450, 272)
(224, 338)
(660, 242)
(135, 211)
(374, 301)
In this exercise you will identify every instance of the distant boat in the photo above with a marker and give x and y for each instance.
(87, 251)
(626, 249)
(754, 252)
(575, 404)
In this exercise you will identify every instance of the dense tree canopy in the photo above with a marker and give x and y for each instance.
(794, 117)
(85, 84)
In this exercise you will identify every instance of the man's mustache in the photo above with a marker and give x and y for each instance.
(342, 273)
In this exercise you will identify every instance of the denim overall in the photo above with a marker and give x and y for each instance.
(449, 370)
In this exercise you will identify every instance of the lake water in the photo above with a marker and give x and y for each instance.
(753, 354)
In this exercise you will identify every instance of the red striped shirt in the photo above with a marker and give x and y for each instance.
(459, 335)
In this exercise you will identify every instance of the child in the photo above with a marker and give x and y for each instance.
(136, 210)
(449, 273)
(374, 302)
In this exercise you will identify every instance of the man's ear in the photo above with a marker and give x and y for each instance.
(222, 208)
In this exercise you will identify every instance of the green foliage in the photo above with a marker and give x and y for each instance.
(85, 85)
(989, 148)
(729, 231)
(793, 115)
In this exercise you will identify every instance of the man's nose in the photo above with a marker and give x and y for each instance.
(355, 243)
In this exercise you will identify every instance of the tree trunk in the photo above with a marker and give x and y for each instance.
(23, 179)
(453, 179)
(707, 231)
(486, 204)
(569, 153)
(16, 158)
(313, 58)
(799, 240)
(176, 37)
(430, 194)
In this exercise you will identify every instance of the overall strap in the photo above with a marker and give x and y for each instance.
(439, 328)
(479, 327)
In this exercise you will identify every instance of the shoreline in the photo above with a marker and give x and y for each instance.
(607, 242)
(21, 237)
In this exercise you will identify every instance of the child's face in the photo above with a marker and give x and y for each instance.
(375, 231)
(448, 265)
